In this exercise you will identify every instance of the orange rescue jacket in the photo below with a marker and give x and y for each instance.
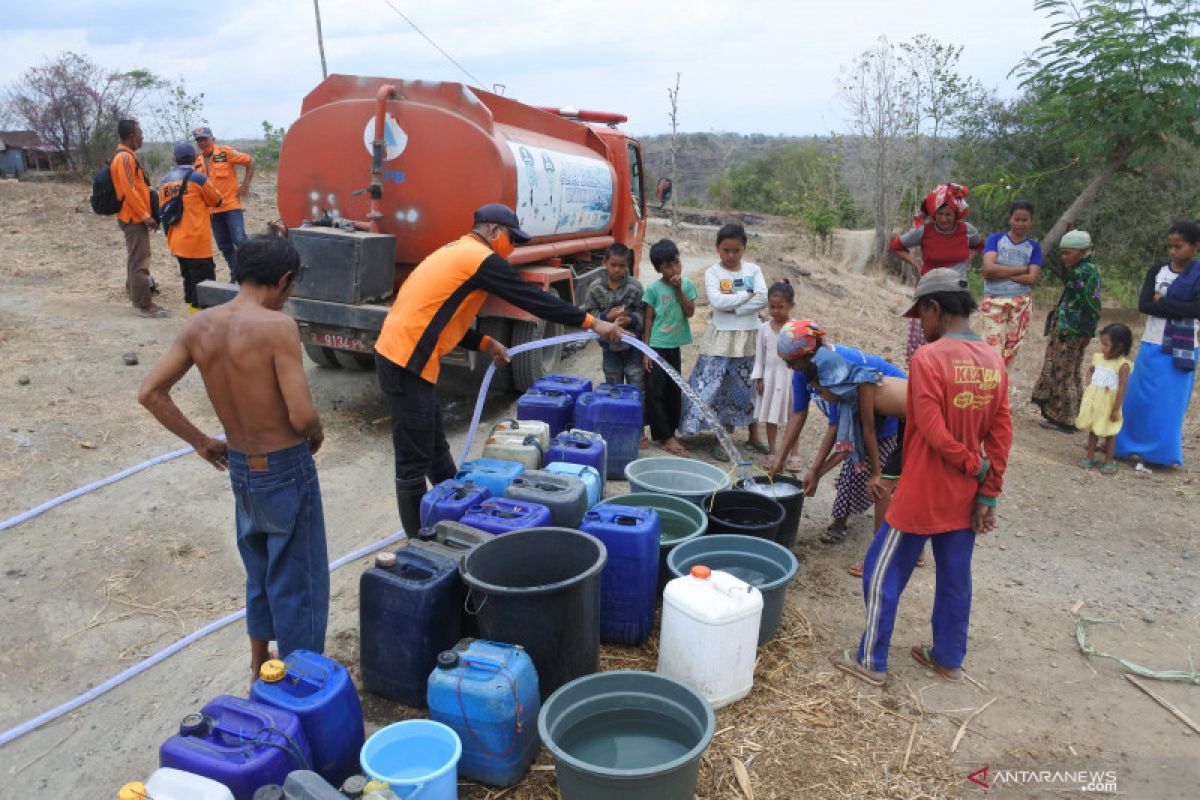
(129, 180)
(219, 167)
(191, 237)
(438, 302)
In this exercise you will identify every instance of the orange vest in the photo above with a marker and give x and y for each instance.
(219, 167)
(191, 237)
(129, 181)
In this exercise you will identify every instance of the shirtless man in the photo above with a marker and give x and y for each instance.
(248, 354)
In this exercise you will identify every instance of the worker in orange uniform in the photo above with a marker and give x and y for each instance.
(135, 217)
(431, 316)
(189, 238)
(218, 162)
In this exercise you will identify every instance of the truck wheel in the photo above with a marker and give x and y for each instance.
(321, 356)
(355, 362)
(528, 368)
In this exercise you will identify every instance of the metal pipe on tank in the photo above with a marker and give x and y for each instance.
(385, 92)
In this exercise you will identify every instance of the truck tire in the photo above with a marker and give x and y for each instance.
(528, 368)
(355, 362)
(321, 356)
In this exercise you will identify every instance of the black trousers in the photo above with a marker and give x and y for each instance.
(418, 438)
(664, 400)
(194, 270)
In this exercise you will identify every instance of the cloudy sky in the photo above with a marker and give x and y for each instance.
(767, 66)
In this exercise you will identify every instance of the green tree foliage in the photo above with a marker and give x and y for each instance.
(1116, 83)
(175, 111)
(799, 180)
(267, 154)
(74, 104)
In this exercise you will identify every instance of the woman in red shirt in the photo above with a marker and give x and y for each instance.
(945, 241)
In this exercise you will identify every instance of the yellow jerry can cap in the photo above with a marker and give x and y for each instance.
(135, 790)
(272, 671)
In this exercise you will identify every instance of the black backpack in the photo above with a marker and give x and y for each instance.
(104, 194)
(172, 210)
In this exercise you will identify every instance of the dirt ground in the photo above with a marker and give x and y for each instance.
(105, 581)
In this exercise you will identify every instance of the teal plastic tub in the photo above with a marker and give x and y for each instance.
(626, 735)
(685, 478)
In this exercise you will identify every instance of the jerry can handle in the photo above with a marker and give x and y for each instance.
(516, 425)
(467, 603)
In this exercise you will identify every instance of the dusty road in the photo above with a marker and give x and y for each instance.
(107, 580)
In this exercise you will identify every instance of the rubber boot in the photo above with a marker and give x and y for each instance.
(444, 468)
(408, 501)
(192, 309)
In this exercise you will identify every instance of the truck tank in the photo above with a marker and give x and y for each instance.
(448, 149)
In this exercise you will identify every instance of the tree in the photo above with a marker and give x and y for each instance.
(673, 96)
(872, 90)
(175, 111)
(267, 154)
(74, 104)
(1118, 83)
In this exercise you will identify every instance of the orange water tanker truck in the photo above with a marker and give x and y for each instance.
(378, 173)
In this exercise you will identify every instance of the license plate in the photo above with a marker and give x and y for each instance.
(339, 341)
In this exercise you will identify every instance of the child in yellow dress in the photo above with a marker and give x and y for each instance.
(1100, 408)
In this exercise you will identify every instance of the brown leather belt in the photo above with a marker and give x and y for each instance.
(258, 463)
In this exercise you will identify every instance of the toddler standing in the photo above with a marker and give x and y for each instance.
(1100, 409)
(771, 375)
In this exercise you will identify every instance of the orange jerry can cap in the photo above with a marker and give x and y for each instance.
(702, 572)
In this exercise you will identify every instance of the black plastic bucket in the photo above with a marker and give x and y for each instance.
(790, 495)
(744, 513)
(540, 588)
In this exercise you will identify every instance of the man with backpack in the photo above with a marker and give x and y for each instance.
(136, 218)
(187, 196)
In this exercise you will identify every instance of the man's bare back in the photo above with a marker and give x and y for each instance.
(248, 354)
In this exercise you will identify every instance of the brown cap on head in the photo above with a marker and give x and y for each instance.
(934, 282)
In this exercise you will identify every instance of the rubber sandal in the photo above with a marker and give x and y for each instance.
(856, 570)
(834, 535)
(794, 464)
(847, 663)
(1109, 469)
(921, 560)
(923, 655)
(1088, 463)
(717, 453)
(674, 448)
(759, 447)
(1051, 425)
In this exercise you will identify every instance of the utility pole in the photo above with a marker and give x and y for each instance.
(320, 38)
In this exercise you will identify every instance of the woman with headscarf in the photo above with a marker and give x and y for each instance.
(945, 239)
(1070, 326)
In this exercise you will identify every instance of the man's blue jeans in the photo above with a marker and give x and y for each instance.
(281, 537)
(229, 229)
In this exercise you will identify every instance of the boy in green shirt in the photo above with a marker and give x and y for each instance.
(670, 302)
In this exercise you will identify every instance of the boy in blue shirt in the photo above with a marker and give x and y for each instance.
(669, 304)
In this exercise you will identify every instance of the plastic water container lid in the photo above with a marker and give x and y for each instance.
(272, 791)
(273, 670)
(134, 790)
(354, 785)
(702, 572)
(192, 724)
(447, 659)
(385, 560)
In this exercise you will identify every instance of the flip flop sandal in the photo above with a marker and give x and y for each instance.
(675, 449)
(793, 464)
(834, 535)
(845, 661)
(1051, 425)
(923, 655)
(759, 447)
(1088, 463)
(717, 453)
(1109, 469)
(856, 570)
(921, 560)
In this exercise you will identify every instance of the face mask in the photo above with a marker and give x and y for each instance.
(502, 245)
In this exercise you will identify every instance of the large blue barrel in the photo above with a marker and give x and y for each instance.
(614, 411)
(629, 582)
(410, 609)
(449, 500)
(319, 691)
(500, 515)
(553, 407)
(239, 743)
(487, 692)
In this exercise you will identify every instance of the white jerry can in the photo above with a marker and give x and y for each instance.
(709, 634)
(175, 784)
(524, 427)
(523, 448)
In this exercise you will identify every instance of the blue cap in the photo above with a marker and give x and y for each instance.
(202, 132)
(500, 214)
(184, 152)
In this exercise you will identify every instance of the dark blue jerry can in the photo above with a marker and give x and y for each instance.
(580, 447)
(410, 609)
(614, 411)
(629, 582)
(487, 692)
(553, 407)
(489, 473)
(319, 691)
(590, 476)
(449, 500)
(500, 515)
(565, 495)
(567, 384)
(239, 743)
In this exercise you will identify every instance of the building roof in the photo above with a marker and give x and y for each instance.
(22, 140)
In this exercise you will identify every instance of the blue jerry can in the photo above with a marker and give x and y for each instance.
(629, 582)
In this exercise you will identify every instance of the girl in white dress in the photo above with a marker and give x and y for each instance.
(771, 375)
